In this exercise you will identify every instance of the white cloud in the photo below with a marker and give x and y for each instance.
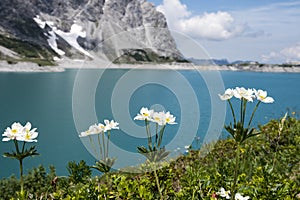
(273, 19)
(281, 6)
(288, 54)
(174, 10)
(213, 26)
(272, 57)
(292, 52)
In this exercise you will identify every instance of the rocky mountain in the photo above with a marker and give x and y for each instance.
(47, 30)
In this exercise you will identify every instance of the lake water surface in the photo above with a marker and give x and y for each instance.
(51, 102)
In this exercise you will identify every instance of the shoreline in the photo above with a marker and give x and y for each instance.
(78, 64)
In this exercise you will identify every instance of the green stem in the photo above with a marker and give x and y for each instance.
(148, 135)
(21, 175)
(99, 188)
(252, 115)
(161, 133)
(241, 111)
(157, 183)
(236, 170)
(277, 143)
(93, 146)
(244, 111)
(107, 142)
(23, 147)
(20, 163)
(103, 146)
(156, 135)
(17, 146)
(193, 197)
(232, 111)
(99, 142)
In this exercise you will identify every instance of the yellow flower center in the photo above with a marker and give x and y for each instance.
(14, 131)
(156, 118)
(262, 97)
(168, 119)
(27, 136)
(146, 114)
(102, 127)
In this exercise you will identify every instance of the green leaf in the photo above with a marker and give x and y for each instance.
(142, 150)
(20, 156)
(104, 165)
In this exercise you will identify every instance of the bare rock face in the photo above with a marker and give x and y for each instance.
(93, 28)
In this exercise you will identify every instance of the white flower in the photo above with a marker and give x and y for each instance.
(84, 133)
(238, 196)
(224, 193)
(28, 135)
(100, 128)
(170, 119)
(158, 117)
(263, 96)
(27, 127)
(11, 133)
(20, 133)
(163, 118)
(110, 125)
(93, 129)
(144, 114)
(227, 95)
(243, 93)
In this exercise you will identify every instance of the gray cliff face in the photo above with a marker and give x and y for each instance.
(111, 26)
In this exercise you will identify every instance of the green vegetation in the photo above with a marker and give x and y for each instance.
(27, 51)
(269, 169)
(140, 56)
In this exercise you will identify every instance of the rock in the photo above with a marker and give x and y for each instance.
(111, 27)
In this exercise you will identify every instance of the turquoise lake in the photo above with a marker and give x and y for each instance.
(60, 105)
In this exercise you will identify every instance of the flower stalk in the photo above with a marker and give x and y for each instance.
(155, 153)
(238, 130)
(157, 182)
(19, 133)
(104, 163)
(236, 169)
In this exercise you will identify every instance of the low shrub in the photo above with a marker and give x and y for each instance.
(269, 169)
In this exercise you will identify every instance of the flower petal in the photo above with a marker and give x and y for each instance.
(6, 139)
(268, 100)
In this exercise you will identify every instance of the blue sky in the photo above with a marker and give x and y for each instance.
(267, 31)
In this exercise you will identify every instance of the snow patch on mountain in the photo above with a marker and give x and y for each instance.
(53, 44)
(70, 37)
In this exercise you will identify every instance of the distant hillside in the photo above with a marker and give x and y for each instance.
(221, 62)
(209, 61)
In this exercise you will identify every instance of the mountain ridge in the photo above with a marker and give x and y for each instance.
(84, 28)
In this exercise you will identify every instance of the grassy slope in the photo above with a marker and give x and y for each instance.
(27, 51)
(270, 169)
